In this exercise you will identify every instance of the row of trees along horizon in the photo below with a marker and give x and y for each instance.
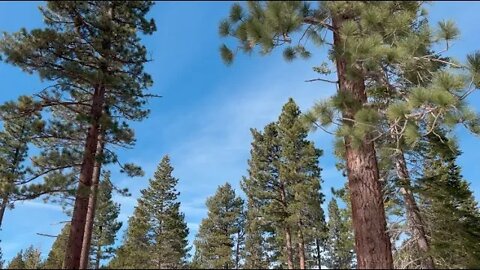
(398, 101)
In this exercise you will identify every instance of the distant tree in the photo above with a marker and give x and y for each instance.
(452, 214)
(32, 258)
(157, 232)
(217, 239)
(283, 188)
(56, 256)
(17, 262)
(105, 226)
(339, 244)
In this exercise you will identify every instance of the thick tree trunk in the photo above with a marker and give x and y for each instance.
(92, 204)
(372, 242)
(414, 217)
(77, 229)
(301, 249)
(3, 207)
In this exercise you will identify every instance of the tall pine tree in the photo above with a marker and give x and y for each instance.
(92, 70)
(56, 256)
(283, 188)
(157, 233)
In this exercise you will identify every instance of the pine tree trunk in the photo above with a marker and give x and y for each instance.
(319, 258)
(77, 229)
(92, 204)
(237, 252)
(3, 207)
(301, 249)
(288, 244)
(414, 217)
(372, 242)
(98, 256)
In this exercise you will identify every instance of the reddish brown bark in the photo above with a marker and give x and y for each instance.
(414, 217)
(301, 249)
(92, 203)
(77, 229)
(372, 242)
(3, 207)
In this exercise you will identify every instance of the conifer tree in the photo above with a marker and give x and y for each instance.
(215, 243)
(15, 138)
(17, 262)
(452, 214)
(283, 187)
(134, 252)
(157, 232)
(32, 258)
(92, 70)
(106, 225)
(368, 58)
(56, 256)
(339, 245)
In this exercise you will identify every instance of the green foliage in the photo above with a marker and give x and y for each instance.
(283, 189)
(452, 214)
(56, 256)
(17, 262)
(105, 226)
(447, 30)
(218, 238)
(157, 226)
(339, 244)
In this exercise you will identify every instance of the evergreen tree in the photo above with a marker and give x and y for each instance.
(339, 245)
(32, 258)
(17, 134)
(368, 60)
(90, 70)
(56, 256)
(106, 225)
(17, 262)
(157, 233)
(134, 252)
(216, 241)
(283, 187)
(452, 214)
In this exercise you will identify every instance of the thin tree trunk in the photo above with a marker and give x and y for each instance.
(301, 249)
(372, 242)
(77, 229)
(288, 236)
(237, 252)
(92, 204)
(3, 207)
(98, 255)
(319, 258)
(414, 217)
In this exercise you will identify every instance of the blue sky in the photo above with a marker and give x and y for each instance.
(203, 119)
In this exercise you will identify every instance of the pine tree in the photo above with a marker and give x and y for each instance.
(56, 256)
(32, 258)
(339, 245)
(91, 70)
(216, 241)
(17, 134)
(452, 214)
(17, 262)
(134, 252)
(106, 225)
(283, 187)
(369, 59)
(157, 226)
